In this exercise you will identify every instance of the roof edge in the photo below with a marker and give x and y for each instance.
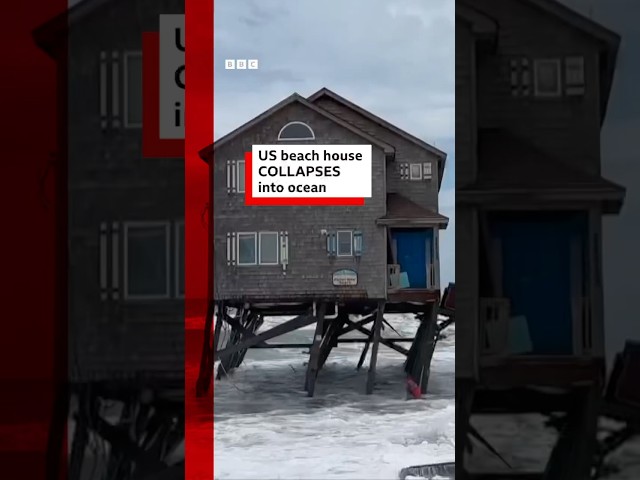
(207, 152)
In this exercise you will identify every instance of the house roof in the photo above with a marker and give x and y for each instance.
(207, 152)
(442, 156)
(402, 211)
(609, 40)
(50, 33)
(509, 164)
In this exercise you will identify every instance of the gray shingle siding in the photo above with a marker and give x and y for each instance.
(309, 273)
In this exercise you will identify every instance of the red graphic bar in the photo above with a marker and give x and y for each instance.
(199, 456)
(250, 200)
(152, 145)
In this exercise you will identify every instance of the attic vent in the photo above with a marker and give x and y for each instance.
(294, 131)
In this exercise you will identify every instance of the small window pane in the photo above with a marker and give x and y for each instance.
(180, 253)
(268, 248)
(134, 90)
(345, 244)
(240, 177)
(415, 171)
(147, 261)
(247, 249)
(575, 71)
(547, 77)
(296, 131)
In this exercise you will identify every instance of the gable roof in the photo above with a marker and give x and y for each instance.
(442, 156)
(207, 152)
(325, 92)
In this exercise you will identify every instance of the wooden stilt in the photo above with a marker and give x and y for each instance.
(465, 389)
(314, 356)
(332, 336)
(206, 358)
(377, 326)
(572, 456)
(80, 436)
(364, 352)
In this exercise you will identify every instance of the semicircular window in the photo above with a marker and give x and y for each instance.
(296, 131)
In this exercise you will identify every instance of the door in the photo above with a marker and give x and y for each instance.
(537, 278)
(413, 249)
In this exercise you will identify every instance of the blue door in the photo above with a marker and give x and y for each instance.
(536, 260)
(413, 248)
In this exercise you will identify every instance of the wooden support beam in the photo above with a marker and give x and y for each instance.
(377, 326)
(332, 337)
(314, 354)
(384, 341)
(206, 358)
(363, 355)
(465, 390)
(227, 363)
(574, 451)
(286, 327)
(351, 326)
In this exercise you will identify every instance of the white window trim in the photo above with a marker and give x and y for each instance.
(125, 69)
(277, 235)
(411, 176)
(338, 254)
(255, 240)
(558, 65)
(176, 274)
(167, 227)
(238, 176)
(280, 139)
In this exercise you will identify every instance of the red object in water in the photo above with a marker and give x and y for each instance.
(413, 388)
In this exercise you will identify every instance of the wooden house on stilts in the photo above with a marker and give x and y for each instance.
(323, 264)
(533, 80)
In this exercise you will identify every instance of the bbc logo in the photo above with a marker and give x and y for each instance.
(240, 64)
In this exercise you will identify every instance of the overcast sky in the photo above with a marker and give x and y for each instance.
(394, 58)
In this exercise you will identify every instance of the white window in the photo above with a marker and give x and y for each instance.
(269, 248)
(146, 260)
(426, 170)
(247, 248)
(240, 176)
(415, 171)
(345, 243)
(179, 252)
(133, 89)
(295, 131)
(547, 78)
(574, 71)
(574, 75)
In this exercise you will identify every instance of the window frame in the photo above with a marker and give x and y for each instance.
(178, 225)
(256, 254)
(149, 224)
(244, 186)
(420, 175)
(537, 63)
(125, 90)
(280, 139)
(338, 254)
(277, 235)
